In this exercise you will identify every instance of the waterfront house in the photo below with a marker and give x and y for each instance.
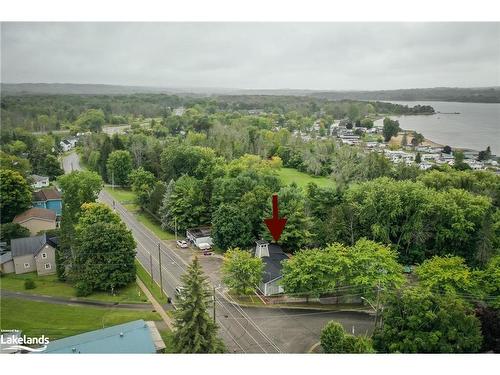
(37, 219)
(474, 164)
(36, 253)
(48, 198)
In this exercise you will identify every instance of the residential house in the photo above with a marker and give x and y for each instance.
(470, 154)
(6, 262)
(425, 165)
(474, 164)
(39, 181)
(199, 236)
(37, 219)
(430, 156)
(48, 198)
(31, 254)
(179, 111)
(136, 337)
(65, 145)
(272, 255)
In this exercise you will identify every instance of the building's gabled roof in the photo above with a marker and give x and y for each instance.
(46, 194)
(27, 245)
(200, 232)
(35, 213)
(131, 337)
(272, 263)
(5, 257)
(37, 178)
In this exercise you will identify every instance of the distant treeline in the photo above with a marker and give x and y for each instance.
(445, 94)
(448, 94)
(54, 112)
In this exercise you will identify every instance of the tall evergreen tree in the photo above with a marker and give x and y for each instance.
(196, 331)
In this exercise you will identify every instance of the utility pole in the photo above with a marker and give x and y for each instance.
(377, 305)
(113, 179)
(159, 260)
(151, 267)
(214, 302)
(175, 227)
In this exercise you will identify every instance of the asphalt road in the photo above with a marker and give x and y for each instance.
(244, 330)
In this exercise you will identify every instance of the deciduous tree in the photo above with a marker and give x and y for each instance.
(242, 272)
(15, 194)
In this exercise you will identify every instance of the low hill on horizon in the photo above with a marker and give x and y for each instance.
(457, 94)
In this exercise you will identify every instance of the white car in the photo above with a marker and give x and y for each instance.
(204, 246)
(182, 244)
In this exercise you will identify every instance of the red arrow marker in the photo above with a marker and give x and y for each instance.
(275, 225)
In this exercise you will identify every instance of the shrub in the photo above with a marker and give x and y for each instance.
(83, 289)
(29, 284)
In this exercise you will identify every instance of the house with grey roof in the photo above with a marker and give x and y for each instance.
(272, 256)
(31, 254)
(6, 262)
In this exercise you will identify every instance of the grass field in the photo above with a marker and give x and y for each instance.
(151, 285)
(150, 223)
(120, 194)
(128, 197)
(56, 321)
(51, 286)
(289, 175)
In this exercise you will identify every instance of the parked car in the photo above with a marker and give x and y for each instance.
(179, 290)
(182, 244)
(207, 252)
(204, 246)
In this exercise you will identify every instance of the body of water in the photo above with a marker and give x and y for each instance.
(476, 126)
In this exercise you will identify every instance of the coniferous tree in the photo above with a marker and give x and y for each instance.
(196, 331)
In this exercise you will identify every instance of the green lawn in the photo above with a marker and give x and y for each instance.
(150, 223)
(289, 175)
(121, 194)
(128, 197)
(151, 285)
(56, 321)
(168, 338)
(51, 286)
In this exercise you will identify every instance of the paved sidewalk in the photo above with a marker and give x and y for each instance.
(159, 309)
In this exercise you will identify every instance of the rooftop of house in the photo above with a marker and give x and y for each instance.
(46, 194)
(200, 232)
(131, 337)
(35, 213)
(29, 245)
(272, 263)
(5, 257)
(38, 178)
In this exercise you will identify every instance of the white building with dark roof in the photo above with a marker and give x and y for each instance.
(272, 256)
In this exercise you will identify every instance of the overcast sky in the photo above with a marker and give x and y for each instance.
(336, 56)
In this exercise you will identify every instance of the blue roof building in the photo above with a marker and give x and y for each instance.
(131, 337)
